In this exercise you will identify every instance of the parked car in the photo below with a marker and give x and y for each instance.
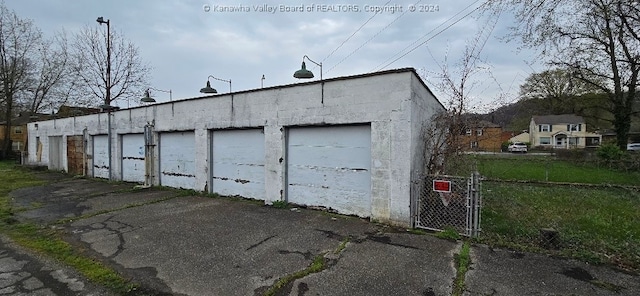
(633, 147)
(517, 147)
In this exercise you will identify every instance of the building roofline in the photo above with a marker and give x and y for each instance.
(371, 74)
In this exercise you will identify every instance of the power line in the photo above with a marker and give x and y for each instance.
(354, 33)
(374, 36)
(377, 68)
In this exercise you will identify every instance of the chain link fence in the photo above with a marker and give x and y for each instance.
(450, 202)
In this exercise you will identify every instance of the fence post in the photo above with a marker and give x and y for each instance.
(476, 203)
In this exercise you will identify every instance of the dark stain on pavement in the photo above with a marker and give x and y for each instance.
(517, 255)
(332, 235)
(387, 241)
(260, 242)
(151, 284)
(578, 274)
(583, 275)
(303, 288)
(429, 292)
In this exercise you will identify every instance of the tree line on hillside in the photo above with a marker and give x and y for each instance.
(596, 46)
(555, 91)
(40, 73)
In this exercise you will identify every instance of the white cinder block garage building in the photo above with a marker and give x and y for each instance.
(352, 144)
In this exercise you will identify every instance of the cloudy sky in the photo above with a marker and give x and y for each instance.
(185, 41)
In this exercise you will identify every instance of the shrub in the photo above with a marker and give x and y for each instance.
(505, 146)
(574, 154)
(609, 152)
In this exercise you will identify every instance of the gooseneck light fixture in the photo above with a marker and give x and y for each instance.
(303, 73)
(147, 95)
(210, 90)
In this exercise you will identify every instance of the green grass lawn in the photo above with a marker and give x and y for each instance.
(601, 225)
(598, 224)
(527, 168)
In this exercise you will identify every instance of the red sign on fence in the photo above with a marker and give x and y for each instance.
(441, 186)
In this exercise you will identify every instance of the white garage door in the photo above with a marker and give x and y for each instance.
(101, 156)
(330, 167)
(55, 153)
(238, 163)
(177, 160)
(133, 158)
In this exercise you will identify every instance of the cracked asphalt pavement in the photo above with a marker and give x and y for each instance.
(220, 246)
(23, 273)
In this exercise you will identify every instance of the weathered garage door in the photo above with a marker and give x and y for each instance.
(133, 158)
(55, 153)
(75, 154)
(238, 163)
(177, 160)
(330, 167)
(100, 157)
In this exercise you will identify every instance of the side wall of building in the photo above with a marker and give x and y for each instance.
(424, 106)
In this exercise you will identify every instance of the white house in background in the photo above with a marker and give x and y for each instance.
(524, 137)
(353, 144)
(562, 131)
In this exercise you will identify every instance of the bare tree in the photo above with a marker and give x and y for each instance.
(457, 85)
(129, 73)
(49, 79)
(597, 40)
(19, 39)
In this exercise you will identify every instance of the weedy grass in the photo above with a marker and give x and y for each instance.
(47, 241)
(280, 204)
(12, 178)
(463, 262)
(548, 169)
(449, 233)
(317, 265)
(599, 225)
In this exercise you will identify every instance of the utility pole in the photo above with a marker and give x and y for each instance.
(107, 99)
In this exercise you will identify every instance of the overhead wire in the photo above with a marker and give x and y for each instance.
(372, 37)
(353, 34)
(380, 67)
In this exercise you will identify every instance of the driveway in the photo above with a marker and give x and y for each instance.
(188, 245)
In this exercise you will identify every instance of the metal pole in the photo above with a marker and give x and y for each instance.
(108, 97)
(477, 203)
(109, 140)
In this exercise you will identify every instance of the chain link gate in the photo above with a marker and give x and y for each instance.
(450, 201)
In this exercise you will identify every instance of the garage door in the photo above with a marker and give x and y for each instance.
(177, 160)
(133, 169)
(238, 163)
(330, 167)
(55, 153)
(101, 156)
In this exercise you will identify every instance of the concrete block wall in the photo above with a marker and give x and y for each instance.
(396, 104)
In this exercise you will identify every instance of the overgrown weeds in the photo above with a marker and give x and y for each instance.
(462, 263)
(597, 225)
